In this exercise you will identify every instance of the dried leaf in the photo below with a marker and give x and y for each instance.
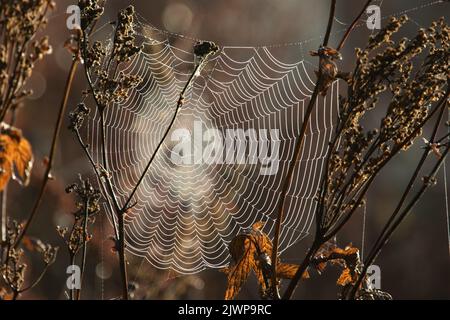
(345, 278)
(288, 271)
(321, 267)
(238, 274)
(15, 152)
(4, 295)
(259, 266)
(252, 250)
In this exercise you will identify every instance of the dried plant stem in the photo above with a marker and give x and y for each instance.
(100, 108)
(119, 211)
(3, 218)
(4, 200)
(119, 228)
(286, 185)
(324, 234)
(35, 282)
(51, 156)
(384, 238)
(83, 255)
(72, 263)
(394, 153)
(326, 38)
(322, 238)
(169, 127)
(122, 258)
(295, 158)
(14, 83)
(301, 270)
(126, 206)
(352, 25)
(397, 217)
(99, 178)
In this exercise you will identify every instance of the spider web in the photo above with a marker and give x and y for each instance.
(186, 214)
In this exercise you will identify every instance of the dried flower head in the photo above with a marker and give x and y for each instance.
(205, 48)
(78, 116)
(384, 67)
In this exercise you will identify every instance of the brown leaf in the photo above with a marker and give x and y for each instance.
(239, 273)
(321, 267)
(252, 250)
(262, 278)
(345, 278)
(15, 152)
(288, 271)
(237, 247)
(4, 295)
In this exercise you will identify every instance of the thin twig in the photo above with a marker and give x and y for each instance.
(122, 259)
(100, 108)
(99, 177)
(72, 263)
(83, 255)
(392, 223)
(36, 282)
(330, 23)
(394, 152)
(11, 88)
(169, 127)
(295, 157)
(3, 218)
(51, 156)
(353, 24)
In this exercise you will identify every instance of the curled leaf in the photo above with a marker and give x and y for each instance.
(252, 250)
(288, 271)
(345, 278)
(238, 274)
(16, 157)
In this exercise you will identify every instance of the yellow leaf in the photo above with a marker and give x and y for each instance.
(4, 295)
(15, 152)
(345, 278)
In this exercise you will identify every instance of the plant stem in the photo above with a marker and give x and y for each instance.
(85, 235)
(394, 152)
(13, 80)
(392, 223)
(353, 24)
(51, 156)
(169, 127)
(122, 259)
(37, 281)
(100, 108)
(330, 23)
(100, 179)
(121, 213)
(72, 263)
(295, 158)
(287, 183)
(3, 217)
(301, 270)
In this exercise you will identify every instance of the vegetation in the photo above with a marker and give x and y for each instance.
(411, 74)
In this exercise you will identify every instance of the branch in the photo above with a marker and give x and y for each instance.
(297, 152)
(47, 174)
(330, 23)
(99, 178)
(169, 127)
(392, 223)
(350, 28)
(83, 255)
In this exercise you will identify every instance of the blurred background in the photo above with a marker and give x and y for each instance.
(415, 264)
